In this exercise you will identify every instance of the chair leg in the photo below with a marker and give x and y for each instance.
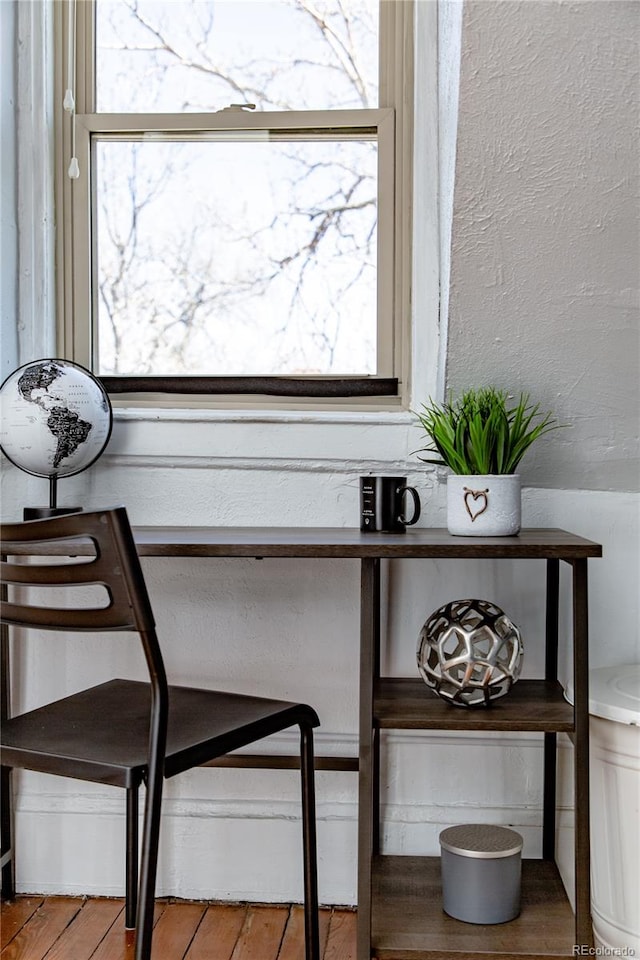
(7, 840)
(131, 883)
(311, 921)
(149, 864)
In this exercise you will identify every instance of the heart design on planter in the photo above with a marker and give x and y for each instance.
(474, 510)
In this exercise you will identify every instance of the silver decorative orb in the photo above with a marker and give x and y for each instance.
(470, 652)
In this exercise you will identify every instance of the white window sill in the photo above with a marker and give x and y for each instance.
(322, 417)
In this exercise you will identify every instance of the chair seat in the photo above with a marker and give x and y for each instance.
(102, 733)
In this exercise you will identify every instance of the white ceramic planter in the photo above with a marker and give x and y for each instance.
(483, 506)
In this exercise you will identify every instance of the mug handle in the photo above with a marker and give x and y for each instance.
(416, 506)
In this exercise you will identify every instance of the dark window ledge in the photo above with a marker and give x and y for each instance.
(267, 386)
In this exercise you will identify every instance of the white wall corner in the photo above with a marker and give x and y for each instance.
(425, 283)
(8, 207)
(449, 49)
(35, 156)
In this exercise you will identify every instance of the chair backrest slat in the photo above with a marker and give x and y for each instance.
(58, 618)
(91, 550)
(48, 574)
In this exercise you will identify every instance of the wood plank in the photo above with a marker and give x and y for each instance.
(409, 921)
(175, 929)
(119, 943)
(262, 933)
(43, 929)
(279, 761)
(86, 931)
(15, 913)
(342, 940)
(292, 947)
(218, 932)
(184, 931)
(530, 705)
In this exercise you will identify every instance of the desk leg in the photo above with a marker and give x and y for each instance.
(6, 812)
(376, 614)
(550, 739)
(368, 804)
(584, 929)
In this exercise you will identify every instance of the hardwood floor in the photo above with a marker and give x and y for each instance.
(73, 928)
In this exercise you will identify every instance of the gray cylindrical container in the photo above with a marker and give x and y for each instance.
(481, 872)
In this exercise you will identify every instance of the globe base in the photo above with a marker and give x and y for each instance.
(43, 513)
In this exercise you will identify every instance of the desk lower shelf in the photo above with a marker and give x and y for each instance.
(409, 923)
(530, 705)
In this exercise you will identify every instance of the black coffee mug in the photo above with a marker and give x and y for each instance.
(382, 504)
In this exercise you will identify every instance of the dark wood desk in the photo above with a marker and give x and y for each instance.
(348, 542)
(391, 924)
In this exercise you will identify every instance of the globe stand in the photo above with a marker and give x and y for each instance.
(43, 513)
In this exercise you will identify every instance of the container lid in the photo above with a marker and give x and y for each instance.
(614, 693)
(483, 841)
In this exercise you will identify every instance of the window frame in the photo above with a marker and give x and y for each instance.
(392, 121)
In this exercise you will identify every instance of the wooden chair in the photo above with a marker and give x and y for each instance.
(124, 732)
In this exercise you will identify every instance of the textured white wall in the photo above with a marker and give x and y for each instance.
(8, 227)
(546, 239)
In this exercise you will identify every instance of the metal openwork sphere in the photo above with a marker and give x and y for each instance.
(470, 652)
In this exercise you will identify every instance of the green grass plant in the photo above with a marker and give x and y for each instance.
(484, 431)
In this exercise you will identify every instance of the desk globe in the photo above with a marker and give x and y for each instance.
(55, 421)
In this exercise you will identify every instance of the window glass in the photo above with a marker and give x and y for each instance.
(201, 55)
(242, 210)
(248, 256)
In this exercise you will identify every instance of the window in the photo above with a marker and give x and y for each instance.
(239, 226)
